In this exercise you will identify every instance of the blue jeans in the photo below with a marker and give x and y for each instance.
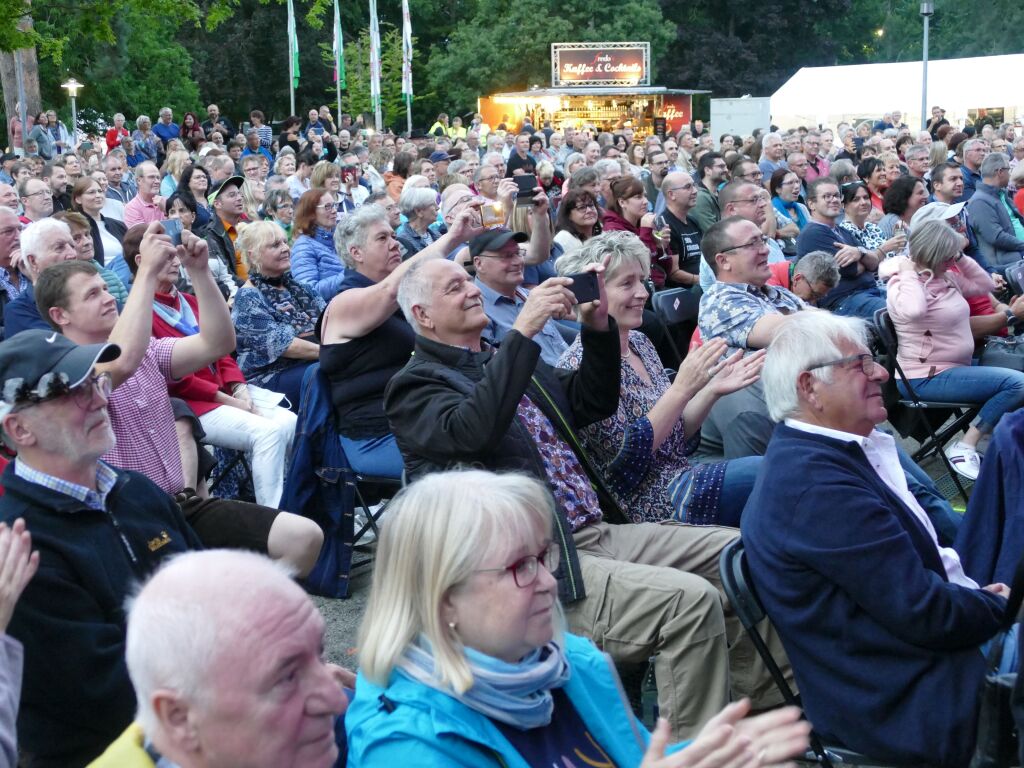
(289, 383)
(1000, 389)
(861, 304)
(375, 456)
(737, 483)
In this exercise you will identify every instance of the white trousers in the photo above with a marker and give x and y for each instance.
(265, 437)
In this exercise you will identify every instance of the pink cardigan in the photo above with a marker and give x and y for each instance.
(931, 315)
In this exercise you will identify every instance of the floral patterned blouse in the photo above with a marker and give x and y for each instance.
(649, 485)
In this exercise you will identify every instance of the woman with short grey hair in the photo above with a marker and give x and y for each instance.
(145, 140)
(419, 206)
(365, 340)
(642, 449)
(927, 304)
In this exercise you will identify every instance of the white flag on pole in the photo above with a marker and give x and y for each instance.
(406, 50)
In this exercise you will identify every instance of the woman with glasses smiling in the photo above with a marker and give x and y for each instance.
(578, 220)
(464, 660)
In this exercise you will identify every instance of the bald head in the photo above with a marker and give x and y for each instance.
(680, 192)
(208, 637)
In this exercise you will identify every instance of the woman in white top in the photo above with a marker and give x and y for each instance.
(579, 219)
(87, 198)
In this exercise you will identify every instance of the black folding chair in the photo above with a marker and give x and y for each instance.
(739, 588)
(927, 413)
(675, 307)
(371, 490)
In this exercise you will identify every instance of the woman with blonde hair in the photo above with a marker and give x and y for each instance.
(175, 163)
(274, 314)
(464, 660)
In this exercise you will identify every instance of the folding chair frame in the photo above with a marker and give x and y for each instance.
(739, 588)
(964, 412)
(660, 304)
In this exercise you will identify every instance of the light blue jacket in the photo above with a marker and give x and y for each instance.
(316, 263)
(423, 727)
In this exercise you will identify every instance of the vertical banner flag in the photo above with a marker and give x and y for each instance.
(406, 50)
(375, 59)
(339, 49)
(293, 45)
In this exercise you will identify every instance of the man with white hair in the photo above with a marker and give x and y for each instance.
(773, 154)
(995, 220)
(225, 653)
(43, 243)
(852, 550)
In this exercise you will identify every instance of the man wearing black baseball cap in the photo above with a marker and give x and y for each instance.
(98, 531)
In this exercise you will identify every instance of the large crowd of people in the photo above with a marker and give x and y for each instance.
(478, 303)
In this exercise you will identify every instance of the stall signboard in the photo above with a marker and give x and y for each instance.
(676, 109)
(597, 64)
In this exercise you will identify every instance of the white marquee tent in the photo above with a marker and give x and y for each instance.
(828, 95)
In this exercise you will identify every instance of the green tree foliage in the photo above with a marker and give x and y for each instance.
(357, 74)
(143, 70)
(507, 46)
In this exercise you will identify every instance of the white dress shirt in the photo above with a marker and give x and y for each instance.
(880, 449)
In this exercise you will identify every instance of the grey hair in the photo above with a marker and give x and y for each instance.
(573, 157)
(177, 627)
(620, 247)
(968, 145)
(775, 136)
(818, 267)
(353, 228)
(842, 169)
(994, 163)
(456, 166)
(117, 115)
(34, 236)
(607, 164)
(414, 291)
(933, 243)
(142, 119)
(806, 339)
(486, 159)
(413, 199)
(916, 150)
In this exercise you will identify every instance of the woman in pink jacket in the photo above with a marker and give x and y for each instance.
(927, 306)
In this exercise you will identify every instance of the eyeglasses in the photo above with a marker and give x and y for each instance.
(762, 240)
(33, 194)
(55, 385)
(758, 199)
(525, 569)
(328, 207)
(584, 207)
(867, 362)
(681, 186)
(830, 196)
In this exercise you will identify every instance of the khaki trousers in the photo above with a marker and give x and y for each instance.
(654, 588)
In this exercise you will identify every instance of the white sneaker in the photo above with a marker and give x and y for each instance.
(965, 460)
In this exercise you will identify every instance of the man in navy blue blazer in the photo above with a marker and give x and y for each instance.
(881, 624)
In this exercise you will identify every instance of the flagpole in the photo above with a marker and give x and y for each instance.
(375, 65)
(339, 58)
(291, 55)
(407, 63)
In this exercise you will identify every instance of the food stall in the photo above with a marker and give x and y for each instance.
(605, 85)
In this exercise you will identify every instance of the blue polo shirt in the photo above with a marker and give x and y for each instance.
(502, 313)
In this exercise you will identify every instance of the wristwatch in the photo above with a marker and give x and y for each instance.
(1011, 319)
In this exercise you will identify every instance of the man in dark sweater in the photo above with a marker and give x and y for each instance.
(98, 531)
(885, 630)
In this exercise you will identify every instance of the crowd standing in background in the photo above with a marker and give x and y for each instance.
(478, 314)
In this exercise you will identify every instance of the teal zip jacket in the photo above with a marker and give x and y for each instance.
(408, 723)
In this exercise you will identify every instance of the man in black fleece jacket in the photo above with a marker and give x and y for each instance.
(98, 530)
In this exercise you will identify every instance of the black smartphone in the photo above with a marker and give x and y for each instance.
(525, 183)
(172, 228)
(584, 287)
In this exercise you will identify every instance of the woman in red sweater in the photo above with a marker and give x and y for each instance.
(115, 134)
(233, 414)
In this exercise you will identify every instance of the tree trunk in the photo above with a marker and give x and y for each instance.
(29, 73)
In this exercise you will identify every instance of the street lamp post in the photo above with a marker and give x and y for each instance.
(72, 87)
(927, 9)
